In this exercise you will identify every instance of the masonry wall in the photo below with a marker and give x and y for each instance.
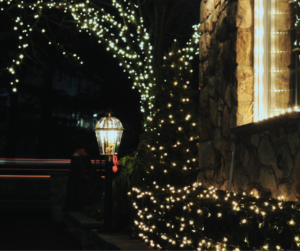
(267, 153)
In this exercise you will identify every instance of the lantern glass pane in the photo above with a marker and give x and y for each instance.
(109, 132)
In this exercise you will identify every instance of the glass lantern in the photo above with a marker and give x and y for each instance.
(109, 132)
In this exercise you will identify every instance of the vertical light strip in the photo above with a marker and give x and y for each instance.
(273, 57)
(261, 62)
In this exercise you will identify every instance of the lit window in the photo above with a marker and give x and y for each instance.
(276, 67)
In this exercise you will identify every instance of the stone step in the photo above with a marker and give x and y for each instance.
(84, 221)
(117, 241)
(79, 225)
(86, 230)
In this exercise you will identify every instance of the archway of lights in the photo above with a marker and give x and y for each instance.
(131, 47)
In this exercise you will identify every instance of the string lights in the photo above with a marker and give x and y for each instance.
(130, 46)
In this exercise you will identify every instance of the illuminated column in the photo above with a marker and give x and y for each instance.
(261, 60)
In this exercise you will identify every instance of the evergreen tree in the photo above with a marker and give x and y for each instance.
(171, 133)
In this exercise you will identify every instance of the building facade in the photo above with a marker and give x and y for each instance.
(249, 115)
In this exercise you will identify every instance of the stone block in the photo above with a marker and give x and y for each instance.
(228, 98)
(209, 178)
(201, 75)
(217, 2)
(283, 162)
(240, 179)
(255, 139)
(218, 10)
(245, 83)
(219, 77)
(296, 170)
(231, 8)
(293, 139)
(211, 87)
(284, 190)
(265, 151)
(218, 138)
(209, 25)
(277, 133)
(267, 177)
(209, 174)
(232, 117)
(244, 17)
(205, 151)
(203, 14)
(210, 7)
(222, 28)
(202, 27)
(244, 48)
(213, 112)
(224, 186)
(208, 40)
(203, 50)
(224, 51)
(244, 155)
(200, 177)
(214, 18)
(252, 169)
(204, 100)
(223, 172)
(225, 123)
(205, 66)
(205, 129)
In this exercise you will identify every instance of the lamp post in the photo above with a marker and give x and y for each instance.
(109, 132)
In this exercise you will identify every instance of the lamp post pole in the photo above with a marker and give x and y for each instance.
(108, 193)
(108, 132)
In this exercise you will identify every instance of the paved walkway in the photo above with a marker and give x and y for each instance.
(33, 229)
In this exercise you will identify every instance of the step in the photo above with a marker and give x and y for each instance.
(84, 221)
(86, 230)
(117, 241)
(80, 226)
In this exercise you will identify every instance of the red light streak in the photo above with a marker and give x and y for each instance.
(25, 176)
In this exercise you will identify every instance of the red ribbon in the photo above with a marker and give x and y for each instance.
(115, 161)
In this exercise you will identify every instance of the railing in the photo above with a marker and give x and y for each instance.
(20, 167)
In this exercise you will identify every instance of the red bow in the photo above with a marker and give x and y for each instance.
(115, 161)
(81, 151)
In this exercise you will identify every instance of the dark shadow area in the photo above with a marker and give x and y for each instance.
(33, 229)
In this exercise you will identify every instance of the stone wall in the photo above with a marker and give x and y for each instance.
(226, 78)
(267, 154)
(267, 160)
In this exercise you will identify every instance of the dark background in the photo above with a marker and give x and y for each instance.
(42, 121)
(112, 88)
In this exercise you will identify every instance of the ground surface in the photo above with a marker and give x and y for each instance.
(33, 229)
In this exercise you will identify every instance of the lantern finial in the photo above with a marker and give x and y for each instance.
(108, 112)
